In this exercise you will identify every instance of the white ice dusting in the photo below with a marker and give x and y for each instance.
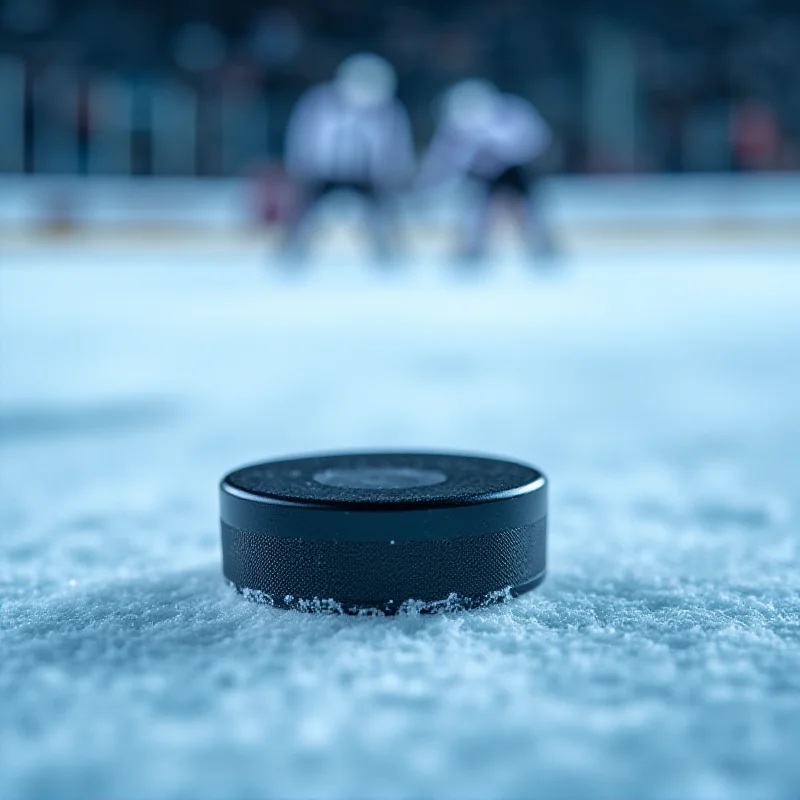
(660, 658)
(327, 605)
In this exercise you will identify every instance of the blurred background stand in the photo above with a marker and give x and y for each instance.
(705, 89)
(613, 105)
(12, 119)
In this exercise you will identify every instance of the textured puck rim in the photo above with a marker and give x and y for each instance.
(489, 497)
(447, 515)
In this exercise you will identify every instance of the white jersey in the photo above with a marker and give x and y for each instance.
(513, 135)
(329, 139)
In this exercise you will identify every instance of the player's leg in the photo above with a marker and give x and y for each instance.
(536, 230)
(300, 225)
(476, 222)
(381, 221)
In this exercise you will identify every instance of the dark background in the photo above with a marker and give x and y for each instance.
(628, 86)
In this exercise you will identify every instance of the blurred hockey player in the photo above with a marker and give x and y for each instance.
(494, 139)
(350, 134)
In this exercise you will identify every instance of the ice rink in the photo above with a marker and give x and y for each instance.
(659, 389)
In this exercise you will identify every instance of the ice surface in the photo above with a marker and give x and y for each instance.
(661, 658)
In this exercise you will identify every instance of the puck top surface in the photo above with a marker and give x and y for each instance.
(383, 481)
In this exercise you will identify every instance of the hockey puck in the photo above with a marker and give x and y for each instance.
(384, 532)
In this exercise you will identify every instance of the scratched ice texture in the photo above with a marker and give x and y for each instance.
(659, 390)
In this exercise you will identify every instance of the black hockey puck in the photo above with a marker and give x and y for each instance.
(383, 532)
